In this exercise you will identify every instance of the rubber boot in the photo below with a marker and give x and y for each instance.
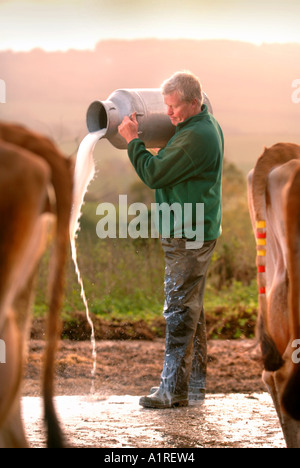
(162, 400)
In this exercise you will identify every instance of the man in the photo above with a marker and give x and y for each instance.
(187, 170)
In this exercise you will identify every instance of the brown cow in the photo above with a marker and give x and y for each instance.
(274, 203)
(36, 184)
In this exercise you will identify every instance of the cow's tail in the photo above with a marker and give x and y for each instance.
(291, 396)
(63, 190)
(271, 158)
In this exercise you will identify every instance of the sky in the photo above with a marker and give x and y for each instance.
(80, 24)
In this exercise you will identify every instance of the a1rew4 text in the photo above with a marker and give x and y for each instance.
(152, 457)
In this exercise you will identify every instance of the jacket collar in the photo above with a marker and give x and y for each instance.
(194, 118)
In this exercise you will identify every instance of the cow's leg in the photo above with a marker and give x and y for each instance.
(291, 431)
(269, 381)
(290, 427)
(16, 332)
(12, 434)
(13, 431)
(275, 382)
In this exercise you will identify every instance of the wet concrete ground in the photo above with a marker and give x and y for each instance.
(224, 421)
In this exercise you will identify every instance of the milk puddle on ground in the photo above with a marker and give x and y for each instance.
(84, 174)
(224, 421)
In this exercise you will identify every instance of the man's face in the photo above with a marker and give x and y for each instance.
(179, 110)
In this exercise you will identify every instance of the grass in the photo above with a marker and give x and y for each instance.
(231, 312)
(123, 282)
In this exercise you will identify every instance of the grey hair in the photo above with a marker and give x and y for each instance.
(186, 84)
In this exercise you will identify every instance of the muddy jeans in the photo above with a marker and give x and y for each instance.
(186, 347)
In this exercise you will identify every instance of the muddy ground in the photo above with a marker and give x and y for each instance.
(132, 367)
(237, 412)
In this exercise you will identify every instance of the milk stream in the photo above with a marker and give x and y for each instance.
(83, 175)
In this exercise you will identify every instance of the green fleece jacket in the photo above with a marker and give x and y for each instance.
(187, 170)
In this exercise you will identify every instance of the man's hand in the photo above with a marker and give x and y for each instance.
(129, 128)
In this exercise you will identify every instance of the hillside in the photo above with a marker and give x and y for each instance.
(250, 86)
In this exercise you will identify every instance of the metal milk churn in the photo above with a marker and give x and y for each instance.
(155, 128)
